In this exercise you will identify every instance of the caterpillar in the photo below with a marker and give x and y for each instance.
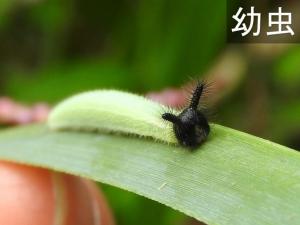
(112, 111)
(121, 112)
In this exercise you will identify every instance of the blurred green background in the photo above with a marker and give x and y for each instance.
(52, 49)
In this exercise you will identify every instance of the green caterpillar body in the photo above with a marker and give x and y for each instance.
(115, 112)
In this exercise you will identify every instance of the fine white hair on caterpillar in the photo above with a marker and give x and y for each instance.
(114, 112)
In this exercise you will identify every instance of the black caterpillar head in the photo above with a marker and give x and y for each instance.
(191, 127)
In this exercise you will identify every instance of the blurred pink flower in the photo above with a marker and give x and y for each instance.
(12, 113)
(169, 97)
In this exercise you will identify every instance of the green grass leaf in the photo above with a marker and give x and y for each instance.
(234, 178)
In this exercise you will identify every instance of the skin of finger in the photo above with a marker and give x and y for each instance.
(26, 195)
(100, 203)
(32, 196)
(90, 204)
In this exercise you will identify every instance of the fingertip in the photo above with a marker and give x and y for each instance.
(37, 196)
(26, 195)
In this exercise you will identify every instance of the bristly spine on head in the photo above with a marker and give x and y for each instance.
(196, 95)
(191, 127)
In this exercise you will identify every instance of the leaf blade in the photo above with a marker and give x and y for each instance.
(234, 178)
